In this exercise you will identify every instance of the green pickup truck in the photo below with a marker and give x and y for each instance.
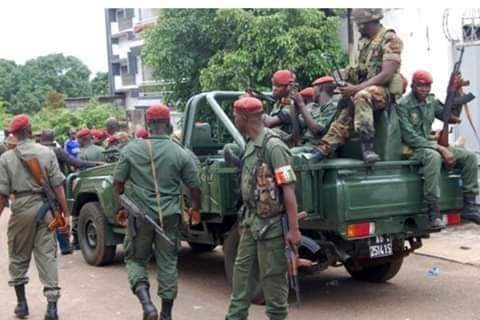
(366, 218)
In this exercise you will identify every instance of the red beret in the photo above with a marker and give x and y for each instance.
(422, 76)
(322, 80)
(248, 105)
(98, 134)
(82, 133)
(283, 77)
(141, 133)
(19, 122)
(158, 112)
(307, 92)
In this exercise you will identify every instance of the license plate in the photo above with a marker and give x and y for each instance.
(382, 247)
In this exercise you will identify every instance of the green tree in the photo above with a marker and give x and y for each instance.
(232, 49)
(54, 72)
(99, 84)
(8, 80)
(54, 100)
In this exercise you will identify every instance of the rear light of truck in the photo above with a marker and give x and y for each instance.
(359, 230)
(452, 218)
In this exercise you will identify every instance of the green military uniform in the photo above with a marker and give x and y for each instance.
(416, 121)
(261, 255)
(27, 235)
(91, 152)
(386, 46)
(283, 112)
(173, 166)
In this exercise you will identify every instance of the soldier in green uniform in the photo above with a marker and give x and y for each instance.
(416, 111)
(375, 81)
(88, 150)
(327, 127)
(279, 119)
(27, 228)
(152, 171)
(261, 252)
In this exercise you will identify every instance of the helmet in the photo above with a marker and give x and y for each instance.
(367, 15)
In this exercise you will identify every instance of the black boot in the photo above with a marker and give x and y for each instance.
(75, 245)
(149, 310)
(317, 155)
(470, 210)
(21, 309)
(51, 313)
(368, 153)
(166, 313)
(436, 223)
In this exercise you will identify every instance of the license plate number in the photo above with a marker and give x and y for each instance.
(382, 247)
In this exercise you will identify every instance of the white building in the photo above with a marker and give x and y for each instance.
(128, 75)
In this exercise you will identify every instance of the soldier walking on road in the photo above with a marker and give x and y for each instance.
(261, 253)
(152, 171)
(416, 112)
(27, 228)
(375, 81)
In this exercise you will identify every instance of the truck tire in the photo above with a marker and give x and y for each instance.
(376, 273)
(201, 247)
(91, 236)
(230, 247)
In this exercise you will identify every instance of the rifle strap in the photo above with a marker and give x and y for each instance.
(154, 173)
(469, 117)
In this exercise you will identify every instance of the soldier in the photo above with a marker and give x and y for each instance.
(152, 171)
(112, 126)
(261, 254)
(88, 151)
(416, 112)
(283, 86)
(327, 128)
(27, 228)
(375, 81)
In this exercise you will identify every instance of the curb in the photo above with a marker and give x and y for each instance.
(447, 259)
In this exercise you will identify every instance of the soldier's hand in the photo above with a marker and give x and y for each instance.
(294, 238)
(66, 229)
(194, 216)
(348, 90)
(448, 156)
(122, 217)
(298, 100)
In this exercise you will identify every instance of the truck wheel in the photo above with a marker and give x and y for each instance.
(376, 273)
(201, 247)
(91, 236)
(230, 247)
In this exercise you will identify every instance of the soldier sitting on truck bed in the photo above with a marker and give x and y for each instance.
(416, 111)
(375, 81)
(279, 119)
(326, 127)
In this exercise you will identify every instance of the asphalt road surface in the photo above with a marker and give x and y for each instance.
(103, 293)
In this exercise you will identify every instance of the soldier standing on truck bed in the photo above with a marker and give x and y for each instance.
(261, 252)
(152, 171)
(375, 81)
(416, 112)
(327, 127)
(27, 228)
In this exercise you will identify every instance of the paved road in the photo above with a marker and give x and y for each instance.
(102, 293)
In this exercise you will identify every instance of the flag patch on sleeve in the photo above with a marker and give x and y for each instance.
(285, 175)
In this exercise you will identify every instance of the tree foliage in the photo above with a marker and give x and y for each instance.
(231, 49)
(100, 85)
(92, 115)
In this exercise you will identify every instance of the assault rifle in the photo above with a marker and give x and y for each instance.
(134, 210)
(452, 100)
(32, 165)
